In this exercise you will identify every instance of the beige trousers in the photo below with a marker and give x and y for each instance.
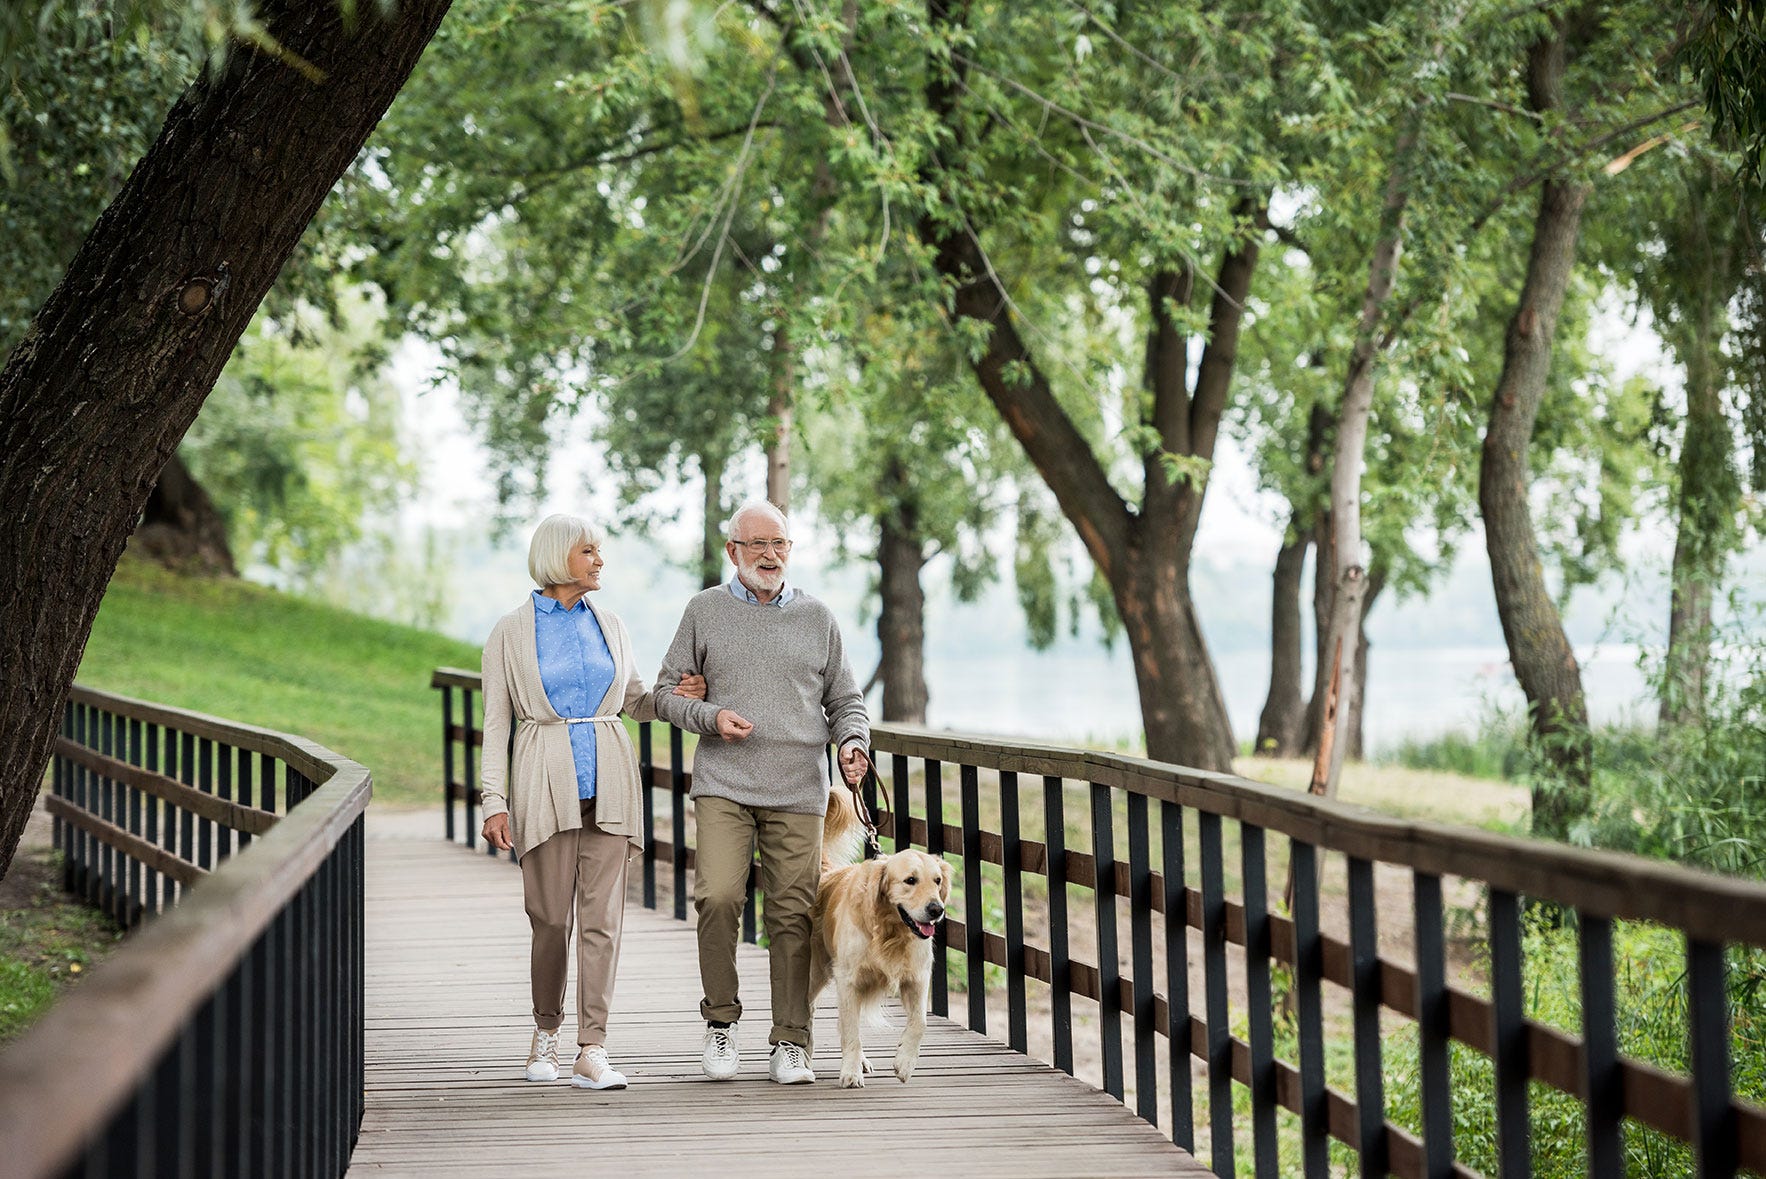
(585, 870)
(790, 871)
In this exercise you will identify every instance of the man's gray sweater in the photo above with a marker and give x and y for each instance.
(782, 668)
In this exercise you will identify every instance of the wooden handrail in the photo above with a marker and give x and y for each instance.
(63, 1080)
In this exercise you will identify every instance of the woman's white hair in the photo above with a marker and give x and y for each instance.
(548, 553)
(756, 507)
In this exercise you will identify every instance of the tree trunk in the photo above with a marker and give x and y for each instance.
(1182, 707)
(112, 371)
(1284, 710)
(1541, 654)
(1356, 698)
(1710, 485)
(711, 535)
(180, 526)
(778, 451)
(901, 624)
(1348, 577)
(1705, 457)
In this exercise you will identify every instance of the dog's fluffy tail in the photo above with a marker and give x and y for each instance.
(843, 835)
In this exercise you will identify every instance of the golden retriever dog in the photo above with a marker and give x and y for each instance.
(871, 935)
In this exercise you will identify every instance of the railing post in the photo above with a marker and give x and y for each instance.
(1012, 852)
(1432, 1028)
(1708, 1020)
(1257, 1000)
(1364, 953)
(1220, 1097)
(447, 691)
(1177, 975)
(1060, 973)
(1309, 1015)
(646, 765)
(1103, 856)
(974, 912)
(935, 845)
(677, 786)
(1600, 1048)
(1509, 1036)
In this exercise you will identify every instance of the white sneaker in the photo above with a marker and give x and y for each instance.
(542, 1058)
(720, 1052)
(593, 1071)
(790, 1064)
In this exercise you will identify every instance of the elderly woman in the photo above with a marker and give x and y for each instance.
(568, 803)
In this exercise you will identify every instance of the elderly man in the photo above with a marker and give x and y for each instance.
(779, 690)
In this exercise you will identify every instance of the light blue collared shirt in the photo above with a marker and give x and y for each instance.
(576, 669)
(743, 594)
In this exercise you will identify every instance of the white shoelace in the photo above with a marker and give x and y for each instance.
(548, 1047)
(720, 1040)
(597, 1055)
(795, 1056)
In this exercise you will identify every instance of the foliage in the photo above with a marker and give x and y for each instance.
(70, 134)
(300, 439)
(1694, 794)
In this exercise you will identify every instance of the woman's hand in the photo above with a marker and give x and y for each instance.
(692, 686)
(496, 832)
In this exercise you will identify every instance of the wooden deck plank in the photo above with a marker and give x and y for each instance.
(448, 1027)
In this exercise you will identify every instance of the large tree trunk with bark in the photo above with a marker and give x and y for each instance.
(181, 528)
(112, 371)
(1541, 654)
(1284, 709)
(711, 521)
(901, 624)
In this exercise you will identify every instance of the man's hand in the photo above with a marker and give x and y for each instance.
(853, 764)
(496, 832)
(731, 726)
(692, 686)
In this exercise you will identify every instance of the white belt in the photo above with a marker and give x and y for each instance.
(586, 720)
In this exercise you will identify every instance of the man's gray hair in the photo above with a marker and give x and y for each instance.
(757, 507)
(548, 553)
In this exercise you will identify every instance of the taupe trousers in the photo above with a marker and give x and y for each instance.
(582, 868)
(790, 871)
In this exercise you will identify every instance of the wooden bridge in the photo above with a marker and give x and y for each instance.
(320, 993)
(448, 1021)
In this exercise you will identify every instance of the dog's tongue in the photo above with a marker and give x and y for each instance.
(925, 929)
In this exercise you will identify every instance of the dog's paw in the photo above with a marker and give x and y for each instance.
(852, 1080)
(864, 1063)
(904, 1067)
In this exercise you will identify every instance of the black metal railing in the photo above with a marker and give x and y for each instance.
(1235, 939)
(226, 1036)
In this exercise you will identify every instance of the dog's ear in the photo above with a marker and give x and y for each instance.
(882, 869)
(943, 881)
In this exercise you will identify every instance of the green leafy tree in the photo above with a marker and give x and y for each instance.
(118, 361)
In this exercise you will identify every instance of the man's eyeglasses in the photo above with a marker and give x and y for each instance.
(757, 547)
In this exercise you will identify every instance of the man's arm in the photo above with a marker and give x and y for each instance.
(695, 716)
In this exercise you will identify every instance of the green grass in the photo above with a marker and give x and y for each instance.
(48, 940)
(358, 686)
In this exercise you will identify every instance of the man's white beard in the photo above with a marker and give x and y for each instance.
(759, 580)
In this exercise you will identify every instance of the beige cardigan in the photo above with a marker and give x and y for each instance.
(539, 793)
